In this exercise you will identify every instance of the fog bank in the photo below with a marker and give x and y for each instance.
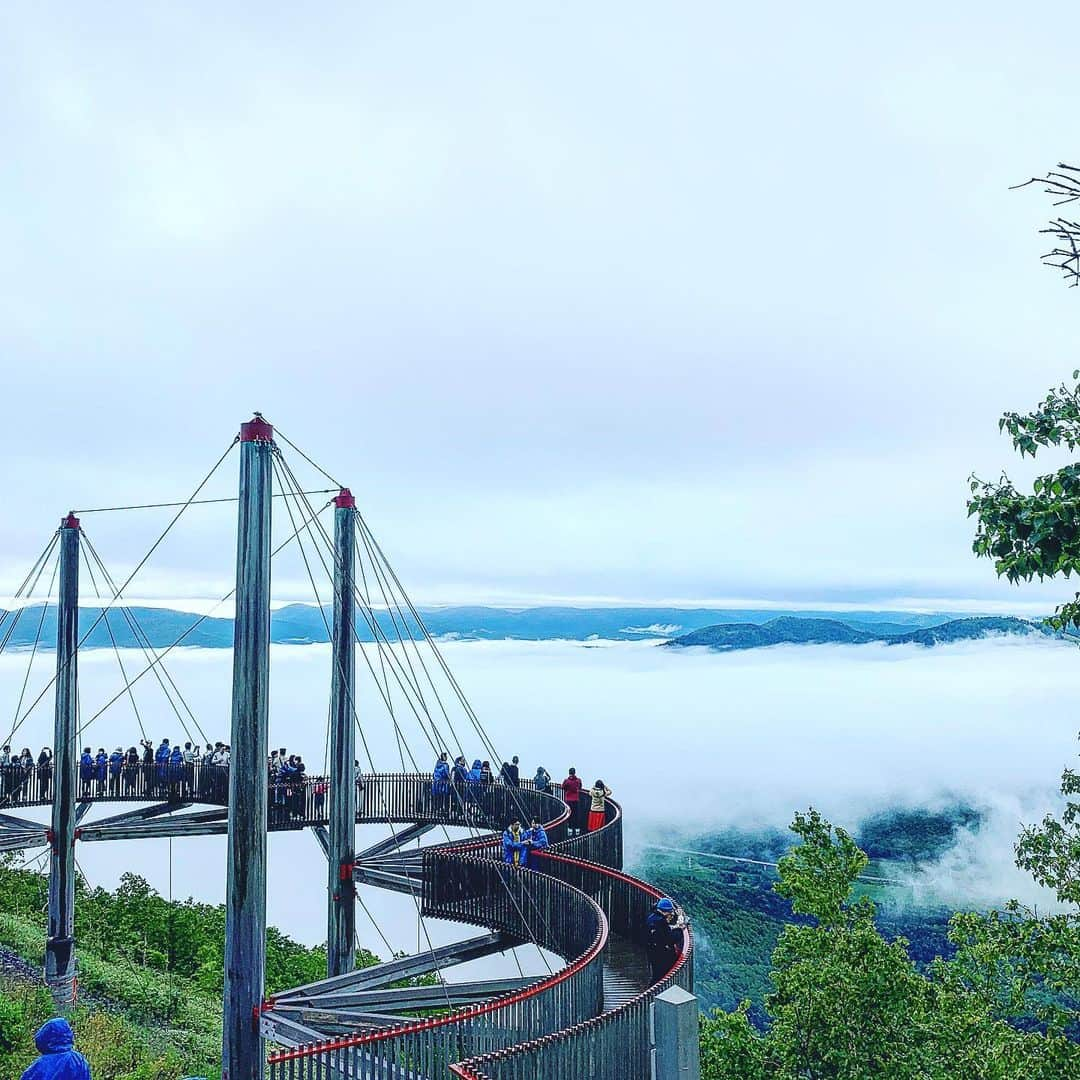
(687, 739)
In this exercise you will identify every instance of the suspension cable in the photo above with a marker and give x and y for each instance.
(37, 639)
(191, 502)
(31, 582)
(376, 630)
(279, 434)
(286, 471)
(179, 641)
(112, 638)
(141, 564)
(142, 639)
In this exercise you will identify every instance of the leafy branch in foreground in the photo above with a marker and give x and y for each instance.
(1037, 534)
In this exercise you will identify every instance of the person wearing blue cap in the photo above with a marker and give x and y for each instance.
(664, 937)
(59, 1059)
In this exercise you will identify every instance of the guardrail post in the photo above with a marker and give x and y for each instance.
(245, 898)
(60, 945)
(675, 1053)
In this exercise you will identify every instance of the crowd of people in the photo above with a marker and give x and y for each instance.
(168, 770)
(189, 771)
(21, 771)
(471, 785)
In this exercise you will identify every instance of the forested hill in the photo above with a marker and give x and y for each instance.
(303, 624)
(792, 630)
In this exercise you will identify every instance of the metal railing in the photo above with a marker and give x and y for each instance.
(399, 798)
(554, 1028)
(525, 904)
(613, 1045)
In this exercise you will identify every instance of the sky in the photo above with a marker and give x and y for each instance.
(703, 303)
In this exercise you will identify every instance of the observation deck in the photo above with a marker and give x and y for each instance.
(591, 1014)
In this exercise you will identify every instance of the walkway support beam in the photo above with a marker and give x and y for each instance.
(60, 945)
(245, 902)
(341, 856)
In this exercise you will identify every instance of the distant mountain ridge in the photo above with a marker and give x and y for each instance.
(792, 630)
(305, 624)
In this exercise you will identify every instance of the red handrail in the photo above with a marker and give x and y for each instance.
(463, 1070)
(472, 1010)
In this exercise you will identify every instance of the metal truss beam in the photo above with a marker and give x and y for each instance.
(10, 820)
(404, 967)
(20, 841)
(154, 830)
(384, 879)
(142, 814)
(405, 998)
(392, 843)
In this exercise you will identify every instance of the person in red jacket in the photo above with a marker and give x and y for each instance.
(571, 789)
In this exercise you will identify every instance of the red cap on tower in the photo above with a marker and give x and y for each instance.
(257, 430)
(70, 522)
(345, 500)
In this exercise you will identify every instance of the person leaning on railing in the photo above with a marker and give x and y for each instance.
(44, 772)
(664, 936)
(598, 797)
(116, 763)
(542, 779)
(536, 839)
(515, 846)
(5, 769)
(571, 789)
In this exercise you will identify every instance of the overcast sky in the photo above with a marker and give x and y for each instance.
(622, 300)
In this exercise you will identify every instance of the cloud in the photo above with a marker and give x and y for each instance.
(688, 741)
(550, 329)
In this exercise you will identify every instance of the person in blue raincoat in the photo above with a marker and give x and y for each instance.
(86, 772)
(536, 839)
(474, 780)
(175, 769)
(161, 762)
(101, 769)
(515, 850)
(59, 1059)
(440, 779)
(116, 763)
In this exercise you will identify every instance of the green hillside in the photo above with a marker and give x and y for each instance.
(738, 917)
(150, 977)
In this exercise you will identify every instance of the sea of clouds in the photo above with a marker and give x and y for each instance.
(687, 739)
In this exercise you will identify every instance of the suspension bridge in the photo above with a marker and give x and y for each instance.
(596, 1009)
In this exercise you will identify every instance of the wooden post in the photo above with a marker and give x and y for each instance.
(341, 888)
(60, 945)
(676, 1055)
(245, 902)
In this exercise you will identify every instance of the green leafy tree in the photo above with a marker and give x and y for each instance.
(1037, 534)
(847, 1003)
